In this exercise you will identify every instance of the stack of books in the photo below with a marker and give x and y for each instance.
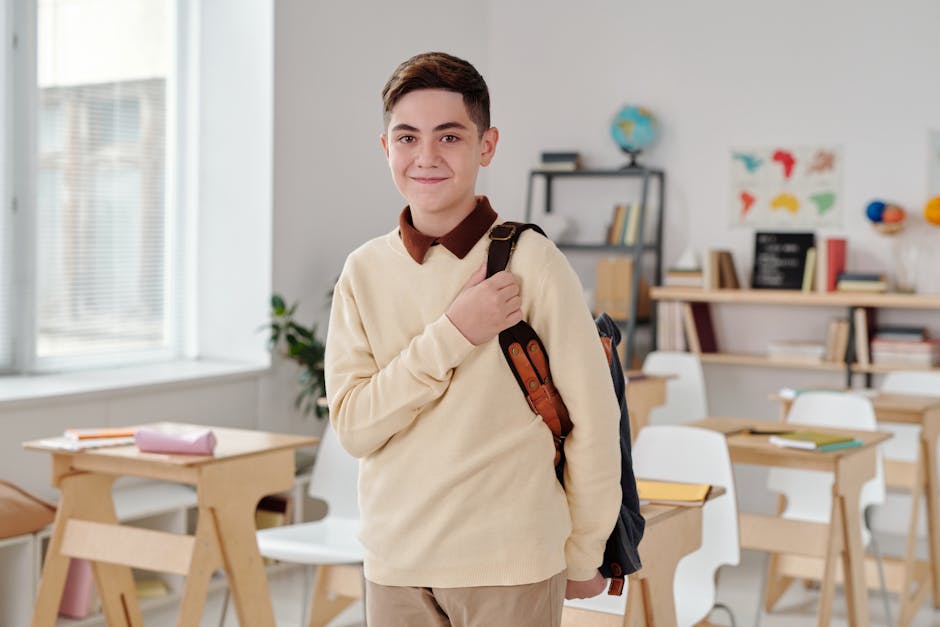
(561, 161)
(684, 277)
(624, 225)
(797, 351)
(914, 353)
(861, 282)
(814, 441)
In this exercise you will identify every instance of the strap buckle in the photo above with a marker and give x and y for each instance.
(503, 232)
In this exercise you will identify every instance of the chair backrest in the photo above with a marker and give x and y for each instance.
(809, 493)
(691, 454)
(335, 477)
(685, 394)
(905, 445)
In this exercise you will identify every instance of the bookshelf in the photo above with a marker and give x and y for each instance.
(848, 300)
(637, 252)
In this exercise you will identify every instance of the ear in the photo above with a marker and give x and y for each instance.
(488, 145)
(384, 140)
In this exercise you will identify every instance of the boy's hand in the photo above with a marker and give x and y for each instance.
(585, 589)
(485, 307)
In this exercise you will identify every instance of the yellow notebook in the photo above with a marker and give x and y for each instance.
(672, 492)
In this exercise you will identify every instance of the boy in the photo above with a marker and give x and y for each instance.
(462, 518)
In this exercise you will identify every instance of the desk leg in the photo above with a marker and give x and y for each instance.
(674, 539)
(231, 491)
(852, 473)
(85, 496)
(929, 433)
(205, 560)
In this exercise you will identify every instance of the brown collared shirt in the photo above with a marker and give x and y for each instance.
(458, 241)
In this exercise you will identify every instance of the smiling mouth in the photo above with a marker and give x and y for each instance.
(428, 180)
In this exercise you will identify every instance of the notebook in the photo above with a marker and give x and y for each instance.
(814, 440)
(672, 492)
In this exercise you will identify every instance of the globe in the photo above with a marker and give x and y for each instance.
(633, 128)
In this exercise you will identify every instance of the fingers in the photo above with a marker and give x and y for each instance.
(477, 277)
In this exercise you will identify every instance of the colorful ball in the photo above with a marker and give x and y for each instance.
(893, 214)
(875, 210)
(932, 210)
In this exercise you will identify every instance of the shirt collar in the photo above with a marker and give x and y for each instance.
(460, 240)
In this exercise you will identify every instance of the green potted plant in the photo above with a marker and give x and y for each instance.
(300, 344)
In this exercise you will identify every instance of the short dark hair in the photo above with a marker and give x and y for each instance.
(439, 70)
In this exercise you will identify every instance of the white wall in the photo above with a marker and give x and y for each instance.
(717, 74)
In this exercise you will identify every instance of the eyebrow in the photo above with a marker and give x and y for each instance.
(440, 127)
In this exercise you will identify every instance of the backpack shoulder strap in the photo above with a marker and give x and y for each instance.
(522, 347)
(503, 238)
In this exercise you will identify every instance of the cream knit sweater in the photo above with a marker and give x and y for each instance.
(456, 483)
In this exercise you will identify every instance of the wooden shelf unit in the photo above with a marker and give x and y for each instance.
(798, 298)
(649, 178)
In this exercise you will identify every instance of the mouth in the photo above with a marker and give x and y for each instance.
(428, 180)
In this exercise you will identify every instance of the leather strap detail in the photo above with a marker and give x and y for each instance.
(523, 349)
(608, 350)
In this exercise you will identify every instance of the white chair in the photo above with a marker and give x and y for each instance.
(330, 543)
(685, 394)
(905, 444)
(809, 492)
(694, 455)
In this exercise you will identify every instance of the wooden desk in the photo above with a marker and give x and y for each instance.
(643, 393)
(908, 577)
(808, 542)
(672, 532)
(246, 466)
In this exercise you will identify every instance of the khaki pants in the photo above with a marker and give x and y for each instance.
(529, 605)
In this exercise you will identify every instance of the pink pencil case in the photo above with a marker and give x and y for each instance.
(200, 442)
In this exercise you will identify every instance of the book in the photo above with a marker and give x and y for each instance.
(861, 286)
(672, 492)
(840, 341)
(699, 330)
(87, 434)
(632, 224)
(617, 224)
(813, 440)
(836, 251)
(64, 443)
(809, 271)
(780, 259)
(560, 160)
(727, 274)
(863, 319)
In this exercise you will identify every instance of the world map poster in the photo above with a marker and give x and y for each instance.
(786, 186)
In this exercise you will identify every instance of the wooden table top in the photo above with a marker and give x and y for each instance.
(746, 447)
(230, 444)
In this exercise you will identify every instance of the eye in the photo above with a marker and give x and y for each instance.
(406, 139)
(449, 139)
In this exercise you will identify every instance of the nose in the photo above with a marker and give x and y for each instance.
(427, 155)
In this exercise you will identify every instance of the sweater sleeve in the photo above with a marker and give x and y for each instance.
(369, 404)
(592, 450)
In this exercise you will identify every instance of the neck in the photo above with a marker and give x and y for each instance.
(442, 222)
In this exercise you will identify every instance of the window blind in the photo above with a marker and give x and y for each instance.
(103, 249)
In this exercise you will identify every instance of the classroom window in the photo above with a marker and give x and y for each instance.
(95, 254)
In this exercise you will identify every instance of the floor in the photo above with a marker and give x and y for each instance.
(737, 589)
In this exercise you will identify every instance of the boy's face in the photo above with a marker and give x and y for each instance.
(434, 151)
